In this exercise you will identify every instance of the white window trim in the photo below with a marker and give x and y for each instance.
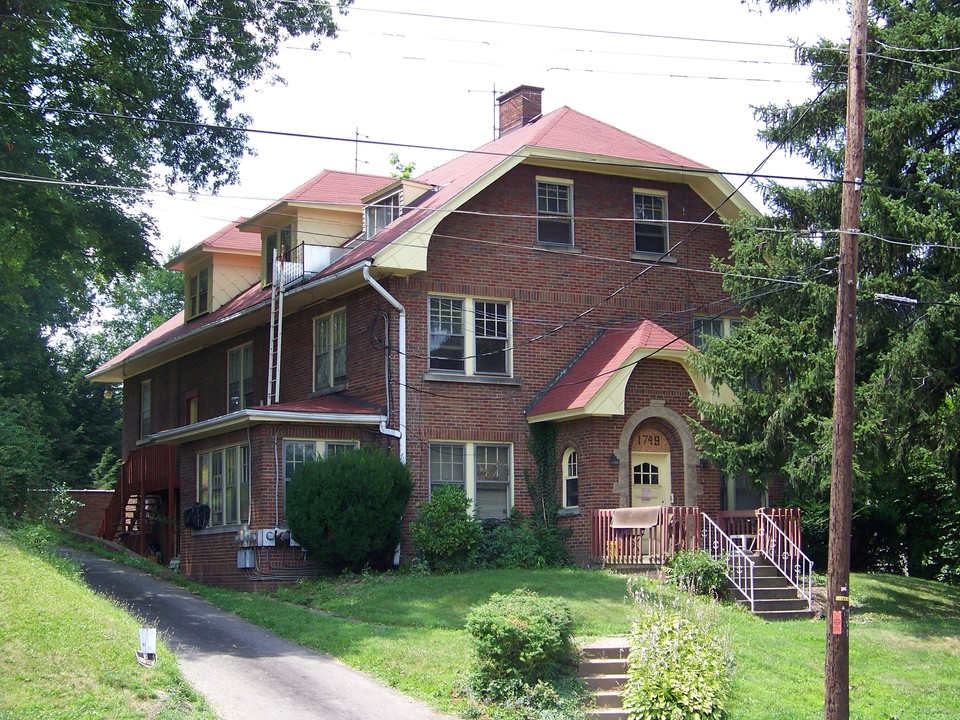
(370, 229)
(277, 234)
(188, 310)
(728, 325)
(241, 482)
(470, 470)
(470, 340)
(666, 224)
(566, 475)
(559, 216)
(731, 493)
(243, 374)
(334, 384)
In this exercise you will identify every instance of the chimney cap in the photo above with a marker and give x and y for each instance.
(518, 107)
(518, 90)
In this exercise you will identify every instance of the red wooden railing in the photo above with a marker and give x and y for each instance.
(678, 528)
(148, 469)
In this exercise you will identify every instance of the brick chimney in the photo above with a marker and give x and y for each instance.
(519, 107)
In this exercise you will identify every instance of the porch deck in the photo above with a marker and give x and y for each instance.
(680, 528)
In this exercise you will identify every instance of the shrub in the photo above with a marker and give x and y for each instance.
(444, 531)
(345, 509)
(520, 640)
(521, 542)
(678, 667)
(697, 572)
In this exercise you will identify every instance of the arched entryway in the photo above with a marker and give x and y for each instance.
(656, 444)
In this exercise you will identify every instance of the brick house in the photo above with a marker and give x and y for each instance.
(553, 275)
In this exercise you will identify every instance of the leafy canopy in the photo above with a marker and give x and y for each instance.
(780, 363)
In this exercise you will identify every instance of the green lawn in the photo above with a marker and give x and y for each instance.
(406, 630)
(67, 653)
(905, 637)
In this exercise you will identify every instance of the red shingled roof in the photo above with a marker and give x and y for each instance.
(563, 129)
(230, 238)
(586, 375)
(336, 187)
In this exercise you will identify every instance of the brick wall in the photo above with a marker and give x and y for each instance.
(93, 504)
(489, 256)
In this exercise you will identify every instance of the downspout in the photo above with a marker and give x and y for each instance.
(400, 434)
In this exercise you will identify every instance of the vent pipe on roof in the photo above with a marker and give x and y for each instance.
(519, 107)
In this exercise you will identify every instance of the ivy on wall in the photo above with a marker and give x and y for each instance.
(542, 484)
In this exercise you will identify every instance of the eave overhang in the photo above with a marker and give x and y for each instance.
(247, 418)
(211, 333)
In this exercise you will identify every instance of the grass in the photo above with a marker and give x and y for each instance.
(65, 652)
(407, 631)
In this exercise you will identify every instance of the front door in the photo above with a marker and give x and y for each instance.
(649, 468)
(650, 479)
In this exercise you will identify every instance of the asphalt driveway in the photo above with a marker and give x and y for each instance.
(244, 671)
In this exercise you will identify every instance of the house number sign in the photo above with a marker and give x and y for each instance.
(650, 441)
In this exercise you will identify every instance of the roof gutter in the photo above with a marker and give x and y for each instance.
(400, 434)
(245, 418)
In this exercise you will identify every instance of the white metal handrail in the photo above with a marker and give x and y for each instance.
(789, 559)
(739, 566)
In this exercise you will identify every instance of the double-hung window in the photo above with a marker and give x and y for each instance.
(380, 214)
(223, 483)
(705, 328)
(484, 472)
(198, 293)
(650, 223)
(554, 212)
(330, 350)
(240, 378)
(470, 336)
(145, 408)
(298, 452)
(571, 479)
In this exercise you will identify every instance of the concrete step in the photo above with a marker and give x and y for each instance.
(602, 666)
(604, 683)
(776, 606)
(608, 699)
(785, 614)
(607, 714)
(787, 592)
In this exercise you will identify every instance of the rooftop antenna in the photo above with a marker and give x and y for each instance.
(356, 149)
(495, 118)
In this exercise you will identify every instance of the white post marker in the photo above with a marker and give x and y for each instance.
(147, 654)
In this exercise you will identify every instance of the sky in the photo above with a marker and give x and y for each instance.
(420, 78)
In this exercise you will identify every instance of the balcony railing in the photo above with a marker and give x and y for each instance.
(303, 261)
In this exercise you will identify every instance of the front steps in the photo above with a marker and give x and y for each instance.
(603, 666)
(774, 597)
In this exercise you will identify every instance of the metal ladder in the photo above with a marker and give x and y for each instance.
(276, 333)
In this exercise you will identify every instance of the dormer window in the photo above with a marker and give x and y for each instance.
(380, 214)
(198, 293)
(281, 241)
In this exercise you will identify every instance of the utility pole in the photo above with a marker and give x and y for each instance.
(837, 691)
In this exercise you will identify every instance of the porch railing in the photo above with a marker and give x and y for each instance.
(740, 568)
(793, 564)
(148, 469)
(677, 528)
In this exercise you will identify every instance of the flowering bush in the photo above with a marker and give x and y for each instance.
(679, 667)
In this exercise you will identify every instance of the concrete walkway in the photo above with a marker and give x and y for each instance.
(244, 671)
